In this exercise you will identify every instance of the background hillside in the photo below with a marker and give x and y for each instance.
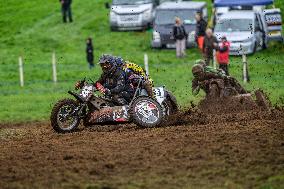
(33, 29)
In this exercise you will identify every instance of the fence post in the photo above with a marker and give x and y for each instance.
(245, 68)
(54, 73)
(146, 63)
(21, 71)
(214, 59)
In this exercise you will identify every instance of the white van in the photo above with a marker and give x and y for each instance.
(131, 14)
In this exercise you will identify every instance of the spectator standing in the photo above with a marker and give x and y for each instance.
(223, 55)
(210, 43)
(90, 52)
(66, 10)
(180, 37)
(200, 31)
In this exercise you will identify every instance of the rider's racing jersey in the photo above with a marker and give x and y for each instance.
(131, 68)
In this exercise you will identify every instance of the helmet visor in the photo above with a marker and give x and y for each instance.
(197, 73)
(105, 66)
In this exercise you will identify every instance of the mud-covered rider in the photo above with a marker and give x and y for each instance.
(114, 81)
(203, 75)
(136, 74)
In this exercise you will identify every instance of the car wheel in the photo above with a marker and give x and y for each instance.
(254, 48)
(264, 44)
(112, 28)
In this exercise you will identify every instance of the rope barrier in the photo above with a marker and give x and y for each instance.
(60, 73)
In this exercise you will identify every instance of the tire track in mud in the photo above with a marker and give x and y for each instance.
(197, 150)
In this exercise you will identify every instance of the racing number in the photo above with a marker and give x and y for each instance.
(158, 92)
(86, 91)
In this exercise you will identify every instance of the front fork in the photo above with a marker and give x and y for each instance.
(80, 110)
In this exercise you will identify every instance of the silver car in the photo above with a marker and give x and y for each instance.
(245, 30)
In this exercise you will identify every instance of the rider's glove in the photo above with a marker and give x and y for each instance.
(78, 85)
(229, 78)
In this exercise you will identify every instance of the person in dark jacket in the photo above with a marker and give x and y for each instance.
(180, 37)
(90, 52)
(66, 10)
(114, 81)
(210, 43)
(200, 32)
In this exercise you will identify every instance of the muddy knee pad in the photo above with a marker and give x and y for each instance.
(148, 87)
(125, 95)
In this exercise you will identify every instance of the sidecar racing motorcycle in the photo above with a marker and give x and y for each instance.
(218, 90)
(94, 109)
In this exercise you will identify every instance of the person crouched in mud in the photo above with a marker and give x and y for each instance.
(114, 80)
(136, 74)
(214, 82)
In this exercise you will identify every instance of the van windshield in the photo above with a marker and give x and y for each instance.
(166, 17)
(234, 25)
(130, 2)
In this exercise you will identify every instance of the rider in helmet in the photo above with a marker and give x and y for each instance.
(114, 81)
(134, 73)
(203, 74)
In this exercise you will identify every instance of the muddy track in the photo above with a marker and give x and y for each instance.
(196, 150)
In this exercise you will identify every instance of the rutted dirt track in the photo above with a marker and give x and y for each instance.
(199, 151)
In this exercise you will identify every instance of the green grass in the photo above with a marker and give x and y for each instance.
(33, 29)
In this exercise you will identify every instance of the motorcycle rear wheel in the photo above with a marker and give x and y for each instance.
(62, 114)
(146, 112)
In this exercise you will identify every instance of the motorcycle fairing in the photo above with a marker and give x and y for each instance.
(219, 82)
(86, 92)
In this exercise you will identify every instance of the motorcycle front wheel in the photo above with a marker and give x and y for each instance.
(214, 91)
(63, 116)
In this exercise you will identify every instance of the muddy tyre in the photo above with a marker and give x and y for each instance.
(168, 112)
(146, 112)
(261, 100)
(167, 108)
(62, 118)
(172, 103)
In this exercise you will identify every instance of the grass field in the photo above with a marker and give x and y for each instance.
(33, 29)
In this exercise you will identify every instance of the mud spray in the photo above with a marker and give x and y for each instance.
(238, 108)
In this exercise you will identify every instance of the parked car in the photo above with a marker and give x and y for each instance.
(244, 29)
(273, 21)
(165, 19)
(247, 24)
(131, 14)
(219, 11)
